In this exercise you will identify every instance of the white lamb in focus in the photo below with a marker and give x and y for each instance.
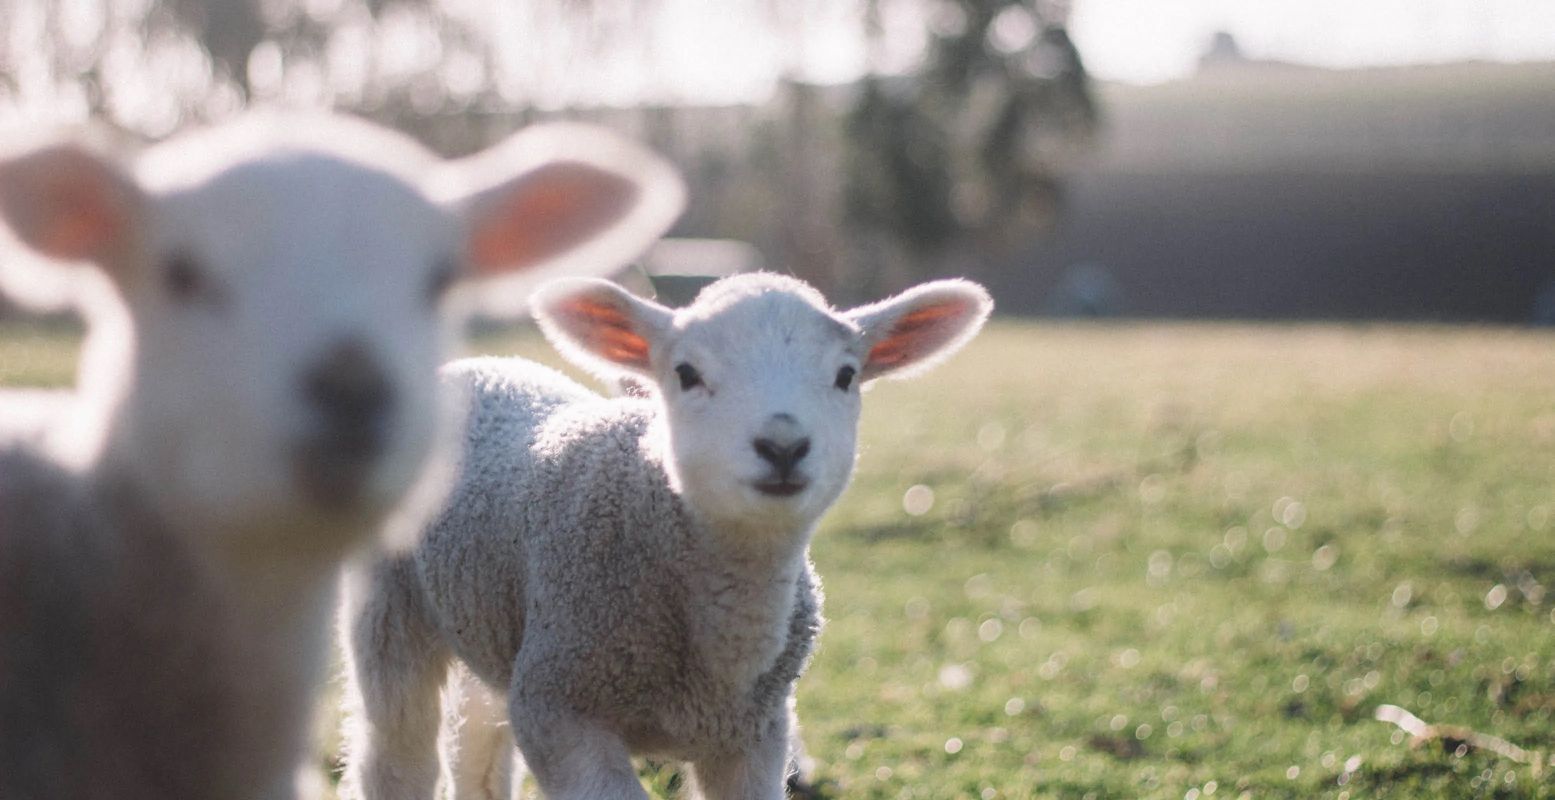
(258, 401)
(632, 573)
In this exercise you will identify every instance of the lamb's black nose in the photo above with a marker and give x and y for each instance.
(351, 396)
(782, 455)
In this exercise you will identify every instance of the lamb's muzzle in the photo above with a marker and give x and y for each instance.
(782, 444)
(352, 402)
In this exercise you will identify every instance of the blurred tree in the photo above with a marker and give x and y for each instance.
(941, 160)
(900, 171)
(152, 65)
(961, 153)
(229, 30)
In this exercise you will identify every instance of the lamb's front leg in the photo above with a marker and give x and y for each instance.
(477, 745)
(760, 773)
(572, 758)
(395, 665)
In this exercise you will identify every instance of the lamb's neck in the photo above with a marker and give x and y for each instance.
(284, 608)
(273, 615)
(743, 589)
(278, 592)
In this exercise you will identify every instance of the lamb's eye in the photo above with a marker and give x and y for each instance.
(443, 276)
(183, 276)
(845, 378)
(689, 377)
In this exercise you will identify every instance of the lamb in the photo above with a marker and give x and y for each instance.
(632, 573)
(269, 303)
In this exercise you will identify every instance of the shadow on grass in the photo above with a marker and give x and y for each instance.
(980, 516)
(1420, 769)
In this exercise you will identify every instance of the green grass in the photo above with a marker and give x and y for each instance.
(1181, 562)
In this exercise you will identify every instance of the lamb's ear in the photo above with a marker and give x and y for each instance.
(600, 326)
(70, 204)
(559, 199)
(918, 328)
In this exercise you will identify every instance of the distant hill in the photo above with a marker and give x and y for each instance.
(1472, 116)
(1274, 191)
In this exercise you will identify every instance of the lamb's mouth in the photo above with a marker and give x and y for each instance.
(785, 487)
(333, 470)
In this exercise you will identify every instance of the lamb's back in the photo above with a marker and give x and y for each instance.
(536, 444)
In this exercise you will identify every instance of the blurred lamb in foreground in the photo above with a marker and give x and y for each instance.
(633, 574)
(258, 401)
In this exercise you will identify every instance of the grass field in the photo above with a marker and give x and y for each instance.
(1180, 562)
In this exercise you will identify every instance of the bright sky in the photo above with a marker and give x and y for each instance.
(713, 52)
(1149, 41)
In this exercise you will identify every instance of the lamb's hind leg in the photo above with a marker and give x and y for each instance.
(478, 749)
(395, 664)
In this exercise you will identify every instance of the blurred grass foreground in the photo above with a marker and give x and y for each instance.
(1166, 561)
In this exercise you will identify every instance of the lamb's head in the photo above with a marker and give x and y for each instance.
(289, 287)
(759, 378)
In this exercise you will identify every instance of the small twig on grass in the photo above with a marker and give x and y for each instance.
(1457, 738)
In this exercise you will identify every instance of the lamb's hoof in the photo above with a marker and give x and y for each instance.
(799, 788)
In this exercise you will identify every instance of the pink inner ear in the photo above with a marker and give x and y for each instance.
(917, 332)
(546, 213)
(66, 204)
(85, 225)
(604, 330)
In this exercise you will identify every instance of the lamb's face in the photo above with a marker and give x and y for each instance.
(288, 317)
(759, 379)
(761, 395)
(284, 280)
